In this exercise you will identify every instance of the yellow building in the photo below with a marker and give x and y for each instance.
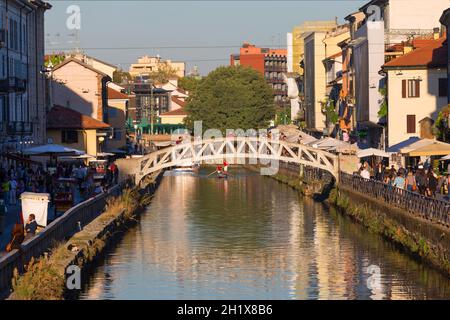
(118, 103)
(298, 36)
(70, 128)
(173, 117)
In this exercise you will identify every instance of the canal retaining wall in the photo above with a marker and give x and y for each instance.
(84, 248)
(423, 239)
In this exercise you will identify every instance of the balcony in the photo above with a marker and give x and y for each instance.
(19, 128)
(12, 84)
(275, 69)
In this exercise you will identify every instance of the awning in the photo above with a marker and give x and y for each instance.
(435, 149)
(52, 149)
(372, 152)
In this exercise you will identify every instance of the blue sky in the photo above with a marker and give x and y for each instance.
(214, 28)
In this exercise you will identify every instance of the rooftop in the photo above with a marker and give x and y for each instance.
(177, 112)
(115, 94)
(433, 55)
(64, 118)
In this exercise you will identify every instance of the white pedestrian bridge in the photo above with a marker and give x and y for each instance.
(235, 150)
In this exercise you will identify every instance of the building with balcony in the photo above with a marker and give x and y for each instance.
(22, 82)
(271, 63)
(374, 41)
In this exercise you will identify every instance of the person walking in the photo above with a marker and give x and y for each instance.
(13, 192)
(432, 184)
(399, 181)
(411, 181)
(421, 180)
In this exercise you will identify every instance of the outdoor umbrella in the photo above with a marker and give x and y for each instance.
(435, 149)
(446, 157)
(372, 152)
(52, 150)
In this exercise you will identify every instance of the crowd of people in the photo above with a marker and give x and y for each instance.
(86, 181)
(420, 179)
(14, 180)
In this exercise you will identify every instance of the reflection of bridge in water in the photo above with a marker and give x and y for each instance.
(236, 151)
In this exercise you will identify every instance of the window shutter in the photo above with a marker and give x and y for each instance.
(411, 123)
(403, 88)
(417, 89)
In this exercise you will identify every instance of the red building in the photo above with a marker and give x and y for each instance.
(271, 63)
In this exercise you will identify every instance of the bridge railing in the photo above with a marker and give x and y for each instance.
(58, 230)
(414, 203)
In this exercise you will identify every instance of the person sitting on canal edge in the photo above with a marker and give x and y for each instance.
(18, 237)
(31, 226)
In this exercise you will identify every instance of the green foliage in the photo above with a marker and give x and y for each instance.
(441, 126)
(54, 59)
(383, 106)
(283, 117)
(232, 98)
(189, 84)
(120, 76)
(330, 111)
(42, 281)
(164, 73)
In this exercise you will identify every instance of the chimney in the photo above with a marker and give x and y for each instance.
(436, 33)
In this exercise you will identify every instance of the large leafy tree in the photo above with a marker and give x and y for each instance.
(232, 98)
(189, 83)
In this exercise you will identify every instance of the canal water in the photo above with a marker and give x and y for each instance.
(250, 237)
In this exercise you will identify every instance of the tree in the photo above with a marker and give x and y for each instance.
(189, 84)
(232, 98)
(119, 76)
(164, 73)
(442, 125)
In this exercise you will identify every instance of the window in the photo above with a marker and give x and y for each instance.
(410, 88)
(443, 87)
(69, 136)
(411, 123)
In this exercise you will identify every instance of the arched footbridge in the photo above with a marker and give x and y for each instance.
(235, 150)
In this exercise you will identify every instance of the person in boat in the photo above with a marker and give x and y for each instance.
(219, 169)
(225, 167)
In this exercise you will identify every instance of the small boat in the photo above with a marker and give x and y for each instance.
(222, 175)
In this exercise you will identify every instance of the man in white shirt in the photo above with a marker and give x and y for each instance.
(365, 174)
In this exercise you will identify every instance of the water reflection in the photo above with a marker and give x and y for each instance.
(253, 238)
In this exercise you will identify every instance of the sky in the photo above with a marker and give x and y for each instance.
(201, 33)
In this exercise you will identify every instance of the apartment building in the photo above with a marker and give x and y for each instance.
(22, 80)
(271, 63)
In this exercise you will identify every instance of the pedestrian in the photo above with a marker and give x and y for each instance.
(399, 181)
(17, 237)
(13, 192)
(421, 180)
(365, 173)
(432, 184)
(30, 226)
(411, 181)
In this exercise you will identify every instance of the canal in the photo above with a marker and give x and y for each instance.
(250, 237)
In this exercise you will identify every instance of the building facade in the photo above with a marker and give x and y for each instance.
(417, 90)
(147, 65)
(445, 21)
(271, 63)
(22, 82)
